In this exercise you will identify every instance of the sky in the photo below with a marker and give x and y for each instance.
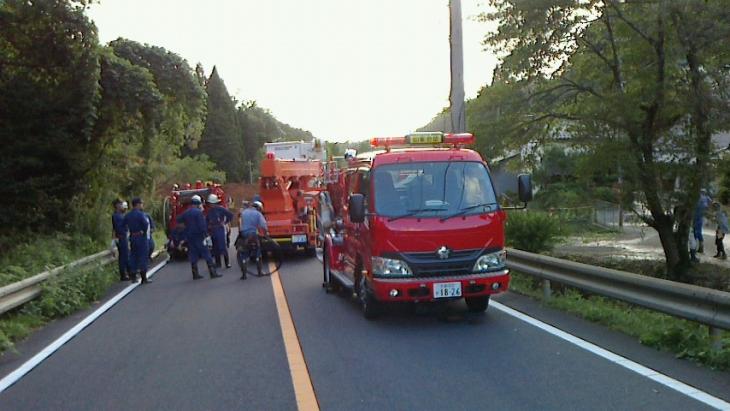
(342, 69)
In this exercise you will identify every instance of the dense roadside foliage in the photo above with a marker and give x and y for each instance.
(633, 91)
(83, 123)
(63, 295)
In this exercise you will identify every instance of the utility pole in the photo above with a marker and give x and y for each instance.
(250, 172)
(456, 96)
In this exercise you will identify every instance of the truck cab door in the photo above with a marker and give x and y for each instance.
(357, 244)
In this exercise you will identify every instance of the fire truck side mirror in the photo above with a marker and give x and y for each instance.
(357, 208)
(524, 187)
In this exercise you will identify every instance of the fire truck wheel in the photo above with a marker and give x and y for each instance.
(477, 304)
(369, 305)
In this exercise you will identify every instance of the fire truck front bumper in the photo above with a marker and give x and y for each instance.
(424, 289)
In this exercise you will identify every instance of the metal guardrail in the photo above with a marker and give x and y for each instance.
(16, 294)
(704, 305)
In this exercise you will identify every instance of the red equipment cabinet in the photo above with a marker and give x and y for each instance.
(178, 202)
(415, 224)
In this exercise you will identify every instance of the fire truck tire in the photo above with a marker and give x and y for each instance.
(371, 308)
(477, 304)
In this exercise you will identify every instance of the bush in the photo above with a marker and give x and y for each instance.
(72, 291)
(532, 231)
(63, 295)
(38, 253)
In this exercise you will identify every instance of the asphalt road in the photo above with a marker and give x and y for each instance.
(217, 345)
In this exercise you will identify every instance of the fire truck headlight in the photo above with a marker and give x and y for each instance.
(490, 262)
(389, 266)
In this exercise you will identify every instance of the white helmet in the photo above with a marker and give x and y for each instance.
(196, 199)
(125, 205)
(259, 205)
(213, 199)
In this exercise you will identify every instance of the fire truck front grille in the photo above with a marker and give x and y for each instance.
(459, 262)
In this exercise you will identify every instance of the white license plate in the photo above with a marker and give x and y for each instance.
(445, 290)
(299, 238)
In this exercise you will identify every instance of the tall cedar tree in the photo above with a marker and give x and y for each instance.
(221, 138)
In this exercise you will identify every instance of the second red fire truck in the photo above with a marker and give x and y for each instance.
(416, 221)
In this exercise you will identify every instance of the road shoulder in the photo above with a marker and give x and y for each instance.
(713, 382)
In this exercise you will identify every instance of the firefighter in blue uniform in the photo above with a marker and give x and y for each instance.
(137, 224)
(195, 232)
(150, 230)
(218, 218)
(250, 223)
(121, 240)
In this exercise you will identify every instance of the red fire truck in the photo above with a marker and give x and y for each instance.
(289, 185)
(177, 202)
(416, 221)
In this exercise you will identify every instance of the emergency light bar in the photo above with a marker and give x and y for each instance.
(424, 138)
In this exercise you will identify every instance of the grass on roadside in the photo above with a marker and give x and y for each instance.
(43, 252)
(683, 338)
(63, 295)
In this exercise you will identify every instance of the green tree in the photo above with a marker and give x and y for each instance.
(501, 118)
(221, 138)
(48, 94)
(649, 73)
(146, 115)
(173, 116)
(185, 98)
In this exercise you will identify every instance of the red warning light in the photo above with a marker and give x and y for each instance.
(459, 138)
(387, 141)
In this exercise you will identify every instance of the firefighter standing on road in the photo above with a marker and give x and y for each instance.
(121, 240)
(218, 218)
(251, 222)
(137, 223)
(195, 233)
(150, 230)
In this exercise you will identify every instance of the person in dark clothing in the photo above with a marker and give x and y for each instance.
(195, 233)
(218, 219)
(698, 219)
(722, 229)
(137, 224)
(251, 222)
(150, 230)
(121, 239)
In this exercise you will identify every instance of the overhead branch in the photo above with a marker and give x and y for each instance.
(615, 6)
(616, 67)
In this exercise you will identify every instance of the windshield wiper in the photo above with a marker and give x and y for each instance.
(411, 213)
(464, 210)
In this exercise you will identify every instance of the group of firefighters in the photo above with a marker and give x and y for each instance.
(203, 233)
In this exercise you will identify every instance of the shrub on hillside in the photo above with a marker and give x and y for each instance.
(532, 231)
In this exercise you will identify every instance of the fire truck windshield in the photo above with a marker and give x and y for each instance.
(435, 189)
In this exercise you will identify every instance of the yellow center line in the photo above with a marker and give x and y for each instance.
(303, 389)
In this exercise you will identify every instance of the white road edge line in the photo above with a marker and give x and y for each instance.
(654, 375)
(24, 369)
